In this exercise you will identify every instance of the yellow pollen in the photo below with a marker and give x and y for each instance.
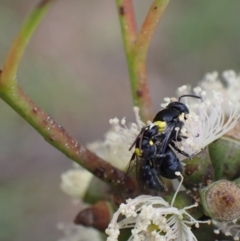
(181, 117)
(138, 152)
(161, 125)
(151, 143)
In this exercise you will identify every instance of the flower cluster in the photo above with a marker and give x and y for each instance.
(207, 120)
(228, 85)
(115, 147)
(75, 182)
(79, 233)
(152, 218)
(229, 229)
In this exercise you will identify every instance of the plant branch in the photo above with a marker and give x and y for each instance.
(150, 23)
(53, 133)
(15, 54)
(136, 50)
(56, 135)
(129, 36)
(128, 23)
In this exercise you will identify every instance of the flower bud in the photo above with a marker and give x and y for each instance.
(97, 216)
(184, 199)
(97, 190)
(75, 182)
(220, 200)
(225, 154)
(198, 171)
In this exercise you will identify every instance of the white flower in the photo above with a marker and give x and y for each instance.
(207, 120)
(79, 233)
(229, 85)
(115, 147)
(228, 229)
(75, 182)
(153, 219)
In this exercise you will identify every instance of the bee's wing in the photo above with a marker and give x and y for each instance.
(136, 163)
(133, 160)
(140, 135)
(167, 137)
(139, 173)
(132, 163)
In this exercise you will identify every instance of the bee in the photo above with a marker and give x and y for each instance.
(154, 157)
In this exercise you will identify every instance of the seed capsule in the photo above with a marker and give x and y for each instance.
(220, 200)
(198, 172)
(224, 155)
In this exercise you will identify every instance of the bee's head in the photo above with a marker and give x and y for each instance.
(180, 107)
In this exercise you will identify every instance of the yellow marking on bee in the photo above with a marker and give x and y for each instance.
(151, 164)
(161, 125)
(151, 143)
(138, 152)
(181, 117)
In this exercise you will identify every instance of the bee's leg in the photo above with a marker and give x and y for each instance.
(179, 138)
(172, 144)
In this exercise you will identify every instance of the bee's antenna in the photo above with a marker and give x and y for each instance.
(193, 96)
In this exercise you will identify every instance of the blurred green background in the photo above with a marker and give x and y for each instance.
(75, 69)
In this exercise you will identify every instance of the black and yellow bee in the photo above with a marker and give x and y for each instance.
(154, 156)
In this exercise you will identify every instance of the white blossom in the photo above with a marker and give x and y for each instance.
(115, 147)
(79, 233)
(75, 182)
(215, 115)
(151, 218)
(228, 85)
(228, 229)
(207, 120)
